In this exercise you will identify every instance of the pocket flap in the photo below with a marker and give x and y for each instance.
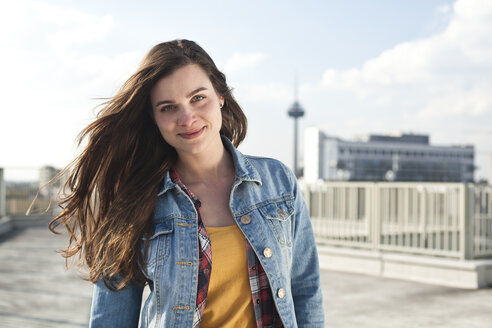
(281, 210)
(163, 228)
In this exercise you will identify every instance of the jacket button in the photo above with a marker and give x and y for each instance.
(267, 252)
(281, 212)
(281, 293)
(245, 219)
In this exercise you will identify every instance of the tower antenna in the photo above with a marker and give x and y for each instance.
(296, 111)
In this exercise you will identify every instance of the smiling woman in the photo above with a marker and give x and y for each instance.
(161, 197)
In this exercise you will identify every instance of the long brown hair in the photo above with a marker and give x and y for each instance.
(113, 184)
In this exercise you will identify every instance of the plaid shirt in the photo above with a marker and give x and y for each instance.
(264, 307)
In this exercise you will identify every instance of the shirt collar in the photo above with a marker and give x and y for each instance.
(245, 171)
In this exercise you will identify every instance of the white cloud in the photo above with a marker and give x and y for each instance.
(241, 61)
(264, 92)
(444, 9)
(48, 80)
(41, 23)
(45, 60)
(440, 84)
(450, 72)
(457, 101)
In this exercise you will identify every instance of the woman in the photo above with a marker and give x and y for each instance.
(161, 196)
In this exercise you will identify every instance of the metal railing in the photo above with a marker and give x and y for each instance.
(20, 186)
(482, 220)
(440, 219)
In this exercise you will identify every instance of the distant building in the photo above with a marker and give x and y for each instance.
(403, 157)
(46, 174)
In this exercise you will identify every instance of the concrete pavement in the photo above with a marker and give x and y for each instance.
(36, 291)
(35, 288)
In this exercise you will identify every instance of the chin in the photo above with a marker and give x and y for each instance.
(192, 149)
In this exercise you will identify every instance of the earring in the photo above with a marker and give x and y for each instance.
(221, 105)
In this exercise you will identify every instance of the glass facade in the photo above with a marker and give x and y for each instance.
(405, 157)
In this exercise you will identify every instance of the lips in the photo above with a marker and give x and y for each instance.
(191, 134)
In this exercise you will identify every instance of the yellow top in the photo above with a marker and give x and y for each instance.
(229, 301)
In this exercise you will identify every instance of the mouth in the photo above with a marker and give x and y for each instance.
(191, 134)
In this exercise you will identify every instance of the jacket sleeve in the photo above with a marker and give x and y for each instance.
(305, 275)
(115, 309)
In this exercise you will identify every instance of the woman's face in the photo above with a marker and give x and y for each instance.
(187, 111)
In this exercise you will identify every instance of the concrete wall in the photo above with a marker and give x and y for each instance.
(437, 271)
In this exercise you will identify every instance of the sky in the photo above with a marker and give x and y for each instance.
(420, 66)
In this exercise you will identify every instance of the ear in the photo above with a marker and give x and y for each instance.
(221, 101)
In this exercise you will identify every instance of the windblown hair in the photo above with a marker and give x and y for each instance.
(113, 184)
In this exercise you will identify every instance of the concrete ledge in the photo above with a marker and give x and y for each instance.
(32, 219)
(6, 225)
(13, 222)
(438, 271)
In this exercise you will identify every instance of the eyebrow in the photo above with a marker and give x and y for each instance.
(162, 102)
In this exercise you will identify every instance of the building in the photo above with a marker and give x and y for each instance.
(402, 157)
(46, 174)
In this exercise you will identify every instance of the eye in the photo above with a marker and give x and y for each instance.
(166, 108)
(197, 98)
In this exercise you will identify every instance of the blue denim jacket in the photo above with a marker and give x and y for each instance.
(262, 189)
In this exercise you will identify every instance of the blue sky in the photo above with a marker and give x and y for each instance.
(418, 66)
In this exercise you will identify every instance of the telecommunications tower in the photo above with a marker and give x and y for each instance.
(296, 111)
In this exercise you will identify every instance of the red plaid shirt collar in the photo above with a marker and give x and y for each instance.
(264, 307)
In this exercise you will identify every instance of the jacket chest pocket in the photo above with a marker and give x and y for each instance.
(159, 247)
(278, 215)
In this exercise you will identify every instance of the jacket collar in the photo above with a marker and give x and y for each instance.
(245, 171)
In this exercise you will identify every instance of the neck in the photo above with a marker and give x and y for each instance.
(212, 165)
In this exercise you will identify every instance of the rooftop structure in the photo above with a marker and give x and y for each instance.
(403, 157)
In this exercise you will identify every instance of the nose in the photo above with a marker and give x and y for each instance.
(186, 116)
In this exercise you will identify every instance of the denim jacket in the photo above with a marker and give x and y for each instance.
(278, 229)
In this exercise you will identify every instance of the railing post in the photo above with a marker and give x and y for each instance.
(376, 216)
(3, 197)
(467, 221)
